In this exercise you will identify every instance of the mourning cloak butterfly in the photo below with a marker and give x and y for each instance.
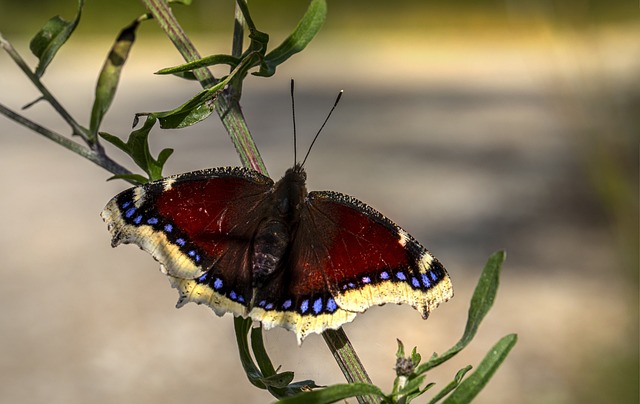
(232, 239)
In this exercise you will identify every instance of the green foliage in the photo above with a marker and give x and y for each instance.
(261, 373)
(481, 302)
(470, 387)
(137, 147)
(110, 75)
(46, 43)
(200, 107)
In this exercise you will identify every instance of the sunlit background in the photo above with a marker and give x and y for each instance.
(475, 125)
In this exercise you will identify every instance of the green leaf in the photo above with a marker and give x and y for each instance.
(279, 380)
(262, 358)
(411, 386)
(110, 75)
(137, 147)
(452, 385)
(242, 327)
(333, 393)
(304, 32)
(305, 385)
(133, 178)
(418, 393)
(471, 386)
(481, 302)
(193, 111)
(415, 356)
(204, 62)
(55, 32)
(202, 105)
(400, 350)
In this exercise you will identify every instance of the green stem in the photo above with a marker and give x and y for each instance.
(227, 107)
(75, 127)
(98, 158)
(348, 360)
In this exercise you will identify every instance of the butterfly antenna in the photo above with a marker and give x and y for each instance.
(293, 113)
(335, 104)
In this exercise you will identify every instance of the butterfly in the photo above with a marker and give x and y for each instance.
(234, 240)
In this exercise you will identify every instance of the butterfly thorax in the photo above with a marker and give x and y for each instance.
(275, 232)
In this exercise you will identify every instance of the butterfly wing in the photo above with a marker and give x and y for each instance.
(372, 261)
(345, 258)
(198, 227)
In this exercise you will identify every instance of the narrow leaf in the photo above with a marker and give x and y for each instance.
(400, 350)
(202, 105)
(133, 178)
(191, 112)
(481, 302)
(304, 32)
(110, 75)
(242, 327)
(204, 62)
(333, 393)
(411, 386)
(415, 356)
(278, 381)
(484, 295)
(137, 147)
(471, 386)
(262, 358)
(55, 32)
(452, 385)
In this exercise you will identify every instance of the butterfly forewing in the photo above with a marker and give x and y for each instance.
(199, 227)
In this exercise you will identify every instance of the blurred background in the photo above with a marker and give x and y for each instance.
(476, 126)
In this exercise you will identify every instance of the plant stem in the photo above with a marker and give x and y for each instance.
(227, 107)
(99, 158)
(75, 127)
(348, 360)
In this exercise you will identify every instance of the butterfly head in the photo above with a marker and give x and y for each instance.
(296, 174)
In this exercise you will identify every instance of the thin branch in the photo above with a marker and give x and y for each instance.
(348, 360)
(75, 127)
(98, 158)
(227, 107)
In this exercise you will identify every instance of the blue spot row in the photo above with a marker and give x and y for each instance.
(315, 306)
(425, 280)
(139, 215)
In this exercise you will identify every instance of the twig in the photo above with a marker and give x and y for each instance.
(46, 95)
(227, 107)
(99, 158)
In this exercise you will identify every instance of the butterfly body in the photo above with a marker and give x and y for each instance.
(236, 241)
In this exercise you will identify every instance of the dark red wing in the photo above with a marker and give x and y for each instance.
(198, 227)
(363, 258)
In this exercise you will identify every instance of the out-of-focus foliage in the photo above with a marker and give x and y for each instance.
(18, 17)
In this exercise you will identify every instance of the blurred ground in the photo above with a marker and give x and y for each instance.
(471, 144)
